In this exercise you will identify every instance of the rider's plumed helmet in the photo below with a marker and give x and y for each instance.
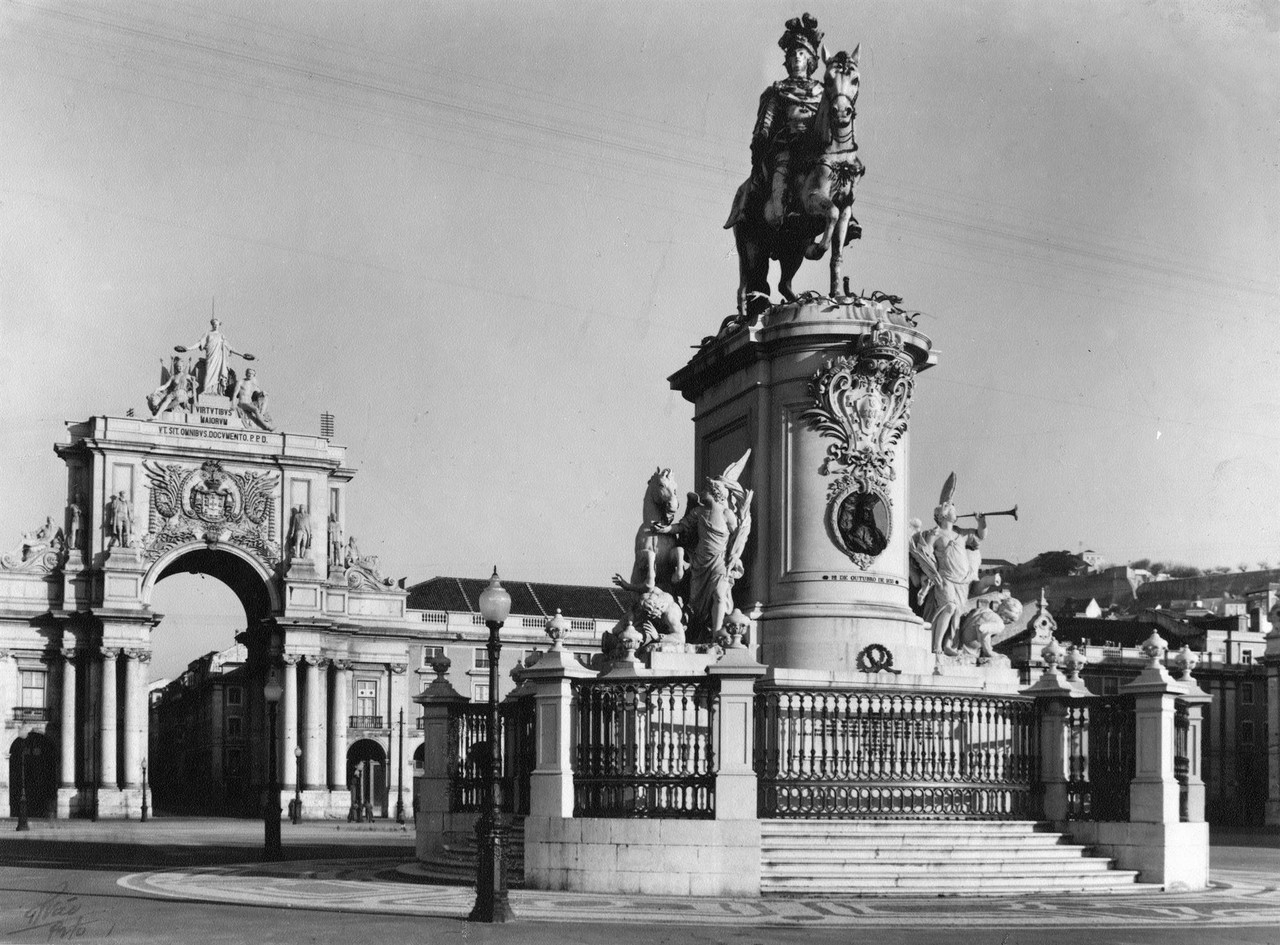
(802, 31)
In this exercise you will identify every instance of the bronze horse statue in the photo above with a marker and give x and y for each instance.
(824, 172)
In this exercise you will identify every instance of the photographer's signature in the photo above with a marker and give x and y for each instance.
(63, 915)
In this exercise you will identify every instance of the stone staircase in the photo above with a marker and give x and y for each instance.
(930, 858)
(456, 863)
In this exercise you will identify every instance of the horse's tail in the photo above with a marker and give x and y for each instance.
(738, 212)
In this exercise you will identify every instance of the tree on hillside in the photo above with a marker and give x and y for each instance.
(1057, 563)
(1183, 571)
(1142, 564)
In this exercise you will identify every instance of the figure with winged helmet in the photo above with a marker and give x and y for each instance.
(945, 559)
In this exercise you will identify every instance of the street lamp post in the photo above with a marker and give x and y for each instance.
(272, 692)
(145, 809)
(295, 805)
(400, 775)
(491, 833)
(22, 786)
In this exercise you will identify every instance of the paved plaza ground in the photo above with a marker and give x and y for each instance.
(200, 880)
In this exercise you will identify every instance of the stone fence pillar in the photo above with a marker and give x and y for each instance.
(1194, 699)
(551, 783)
(431, 820)
(1052, 691)
(736, 797)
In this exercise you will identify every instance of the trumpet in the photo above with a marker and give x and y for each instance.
(1011, 512)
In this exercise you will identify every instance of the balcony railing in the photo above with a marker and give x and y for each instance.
(367, 721)
(26, 713)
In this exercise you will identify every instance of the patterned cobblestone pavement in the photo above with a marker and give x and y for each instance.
(1235, 898)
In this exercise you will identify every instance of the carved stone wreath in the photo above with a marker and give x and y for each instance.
(862, 404)
(208, 503)
(875, 658)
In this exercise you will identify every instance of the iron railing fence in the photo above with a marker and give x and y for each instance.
(468, 748)
(1182, 756)
(1101, 756)
(644, 748)
(823, 753)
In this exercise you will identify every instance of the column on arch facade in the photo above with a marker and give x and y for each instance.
(135, 716)
(67, 734)
(338, 725)
(289, 726)
(396, 775)
(313, 753)
(108, 776)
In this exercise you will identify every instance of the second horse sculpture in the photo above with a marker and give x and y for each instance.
(820, 172)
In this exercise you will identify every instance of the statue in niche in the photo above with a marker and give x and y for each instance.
(797, 201)
(862, 519)
(176, 391)
(214, 364)
(119, 519)
(335, 540)
(75, 523)
(715, 526)
(250, 402)
(299, 532)
(946, 559)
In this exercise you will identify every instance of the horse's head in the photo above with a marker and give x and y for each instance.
(839, 94)
(661, 498)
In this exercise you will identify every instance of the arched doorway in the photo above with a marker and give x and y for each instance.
(207, 721)
(31, 763)
(367, 775)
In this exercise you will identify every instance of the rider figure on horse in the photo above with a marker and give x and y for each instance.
(787, 111)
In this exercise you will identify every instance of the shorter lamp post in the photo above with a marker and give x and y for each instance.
(400, 775)
(22, 785)
(272, 692)
(295, 805)
(491, 833)
(145, 809)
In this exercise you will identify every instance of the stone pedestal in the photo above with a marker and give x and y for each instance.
(821, 394)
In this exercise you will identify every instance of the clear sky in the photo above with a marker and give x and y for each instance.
(483, 235)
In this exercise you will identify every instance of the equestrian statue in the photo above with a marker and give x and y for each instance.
(797, 202)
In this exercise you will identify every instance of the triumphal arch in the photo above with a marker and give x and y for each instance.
(198, 481)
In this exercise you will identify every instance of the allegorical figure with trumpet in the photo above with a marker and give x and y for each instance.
(947, 559)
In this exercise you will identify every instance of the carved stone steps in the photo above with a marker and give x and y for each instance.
(930, 858)
(456, 863)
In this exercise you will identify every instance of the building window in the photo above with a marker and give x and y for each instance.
(482, 657)
(1246, 732)
(430, 653)
(1246, 693)
(479, 692)
(366, 697)
(33, 687)
(235, 695)
(1246, 657)
(1110, 686)
(235, 726)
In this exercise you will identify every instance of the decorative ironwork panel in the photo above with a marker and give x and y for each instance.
(1101, 756)
(644, 748)
(469, 760)
(1182, 756)
(866, 753)
(519, 755)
